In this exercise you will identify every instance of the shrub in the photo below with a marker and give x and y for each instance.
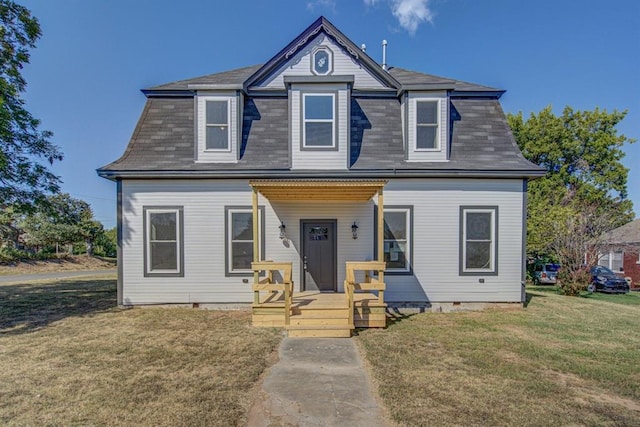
(573, 282)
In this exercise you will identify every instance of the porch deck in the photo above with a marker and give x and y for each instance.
(319, 314)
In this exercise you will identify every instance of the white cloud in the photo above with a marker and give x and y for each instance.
(409, 13)
(322, 4)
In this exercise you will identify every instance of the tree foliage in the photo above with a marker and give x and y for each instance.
(584, 193)
(24, 179)
(62, 220)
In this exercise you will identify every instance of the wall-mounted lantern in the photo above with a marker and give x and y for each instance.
(354, 230)
(283, 230)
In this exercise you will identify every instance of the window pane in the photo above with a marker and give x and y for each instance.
(241, 255)
(318, 107)
(427, 112)
(426, 137)
(616, 262)
(217, 137)
(478, 255)
(395, 225)
(321, 62)
(217, 113)
(164, 256)
(319, 233)
(241, 226)
(163, 226)
(604, 260)
(478, 226)
(319, 134)
(395, 254)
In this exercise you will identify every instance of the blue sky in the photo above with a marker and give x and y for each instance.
(94, 56)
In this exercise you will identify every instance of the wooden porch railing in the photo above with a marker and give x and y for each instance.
(270, 285)
(370, 283)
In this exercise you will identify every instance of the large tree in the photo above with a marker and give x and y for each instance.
(25, 179)
(585, 190)
(62, 220)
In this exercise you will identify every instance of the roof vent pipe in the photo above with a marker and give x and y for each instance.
(363, 47)
(384, 54)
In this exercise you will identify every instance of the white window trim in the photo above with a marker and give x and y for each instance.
(438, 146)
(408, 225)
(179, 247)
(492, 268)
(229, 241)
(313, 59)
(227, 100)
(332, 121)
(610, 260)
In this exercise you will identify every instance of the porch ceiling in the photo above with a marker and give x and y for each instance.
(318, 189)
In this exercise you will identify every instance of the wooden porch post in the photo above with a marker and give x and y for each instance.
(380, 254)
(256, 243)
(380, 240)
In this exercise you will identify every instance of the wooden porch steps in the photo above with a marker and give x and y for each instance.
(318, 331)
(315, 314)
(320, 315)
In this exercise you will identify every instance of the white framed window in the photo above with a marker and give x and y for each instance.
(613, 260)
(318, 121)
(163, 241)
(397, 244)
(478, 240)
(239, 239)
(217, 129)
(427, 125)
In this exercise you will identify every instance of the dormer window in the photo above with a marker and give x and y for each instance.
(319, 120)
(427, 125)
(217, 133)
(322, 61)
(427, 114)
(217, 127)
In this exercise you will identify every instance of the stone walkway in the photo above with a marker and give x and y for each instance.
(316, 382)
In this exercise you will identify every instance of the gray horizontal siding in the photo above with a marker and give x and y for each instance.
(435, 247)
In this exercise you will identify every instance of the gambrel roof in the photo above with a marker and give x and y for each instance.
(163, 143)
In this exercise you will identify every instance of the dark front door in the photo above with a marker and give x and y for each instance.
(319, 255)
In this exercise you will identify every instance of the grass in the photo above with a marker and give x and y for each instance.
(70, 357)
(63, 262)
(560, 361)
(631, 298)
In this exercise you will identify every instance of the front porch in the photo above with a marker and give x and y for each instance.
(320, 314)
(312, 313)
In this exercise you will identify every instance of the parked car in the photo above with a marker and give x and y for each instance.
(605, 280)
(546, 274)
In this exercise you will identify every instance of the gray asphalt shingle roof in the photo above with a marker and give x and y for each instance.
(237, 76)
(628, 234)
(164, 139)
(240, 75)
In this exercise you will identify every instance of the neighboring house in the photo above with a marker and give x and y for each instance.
(620, 251)
(323, 139)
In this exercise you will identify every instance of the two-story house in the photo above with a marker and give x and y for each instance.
(318, 157)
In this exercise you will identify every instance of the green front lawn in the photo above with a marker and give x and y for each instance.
(632, 298)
